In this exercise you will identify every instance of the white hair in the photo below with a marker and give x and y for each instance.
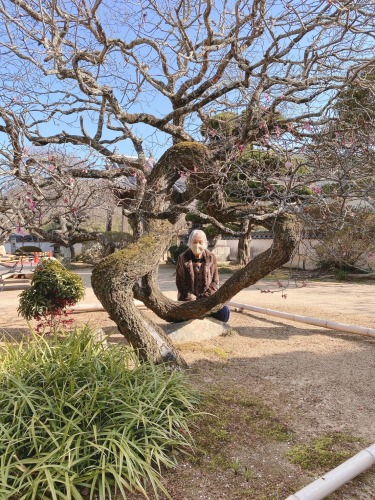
(200, 234)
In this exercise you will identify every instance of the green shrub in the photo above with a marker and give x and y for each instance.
(175, 251)
(82, 420)
(341, 274)
(53, 289)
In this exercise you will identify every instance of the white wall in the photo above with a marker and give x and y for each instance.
(303, 258)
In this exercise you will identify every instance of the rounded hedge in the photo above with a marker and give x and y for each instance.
(53, 288)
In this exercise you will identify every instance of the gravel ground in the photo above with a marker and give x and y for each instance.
(318, 380)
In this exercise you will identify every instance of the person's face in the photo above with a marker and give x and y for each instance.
(197, 246)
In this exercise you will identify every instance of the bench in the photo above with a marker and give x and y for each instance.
(14, 270)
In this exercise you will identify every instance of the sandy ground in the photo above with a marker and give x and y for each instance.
(319, 380)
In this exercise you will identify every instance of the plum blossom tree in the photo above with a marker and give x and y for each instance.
(119, 79)
(44, 195)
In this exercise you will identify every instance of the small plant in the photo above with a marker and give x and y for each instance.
(248, 474)
(78, 420)
(53, 289)
(341, 274)
(235, 465)
(225, 269)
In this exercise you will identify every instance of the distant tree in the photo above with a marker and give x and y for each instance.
(341, 156)
(46, 199)
(349, 247)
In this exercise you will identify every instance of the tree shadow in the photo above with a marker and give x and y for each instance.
(287, 330)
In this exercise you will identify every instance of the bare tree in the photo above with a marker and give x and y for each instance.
(44, 195)
(147, 75)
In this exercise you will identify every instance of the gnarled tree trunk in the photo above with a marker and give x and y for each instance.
(132, 273)
(113, 280)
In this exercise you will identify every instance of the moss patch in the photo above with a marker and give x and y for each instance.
(219, 352)
(226, 414)
(324, 452)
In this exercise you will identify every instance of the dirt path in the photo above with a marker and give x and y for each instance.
(274, 385)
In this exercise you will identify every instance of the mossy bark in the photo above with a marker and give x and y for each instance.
(113, 280)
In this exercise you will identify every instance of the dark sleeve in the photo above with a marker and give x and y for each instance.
(214, 285)
(182, 283)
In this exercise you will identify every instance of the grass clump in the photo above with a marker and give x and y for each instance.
(324, 452)
(225, 270)
(263, 420)
(80, 420)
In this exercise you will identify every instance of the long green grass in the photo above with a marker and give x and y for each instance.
(82, 420)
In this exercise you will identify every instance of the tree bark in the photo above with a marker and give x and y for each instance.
(113, 280)
(244, 244)
(109, 220)
(72, 253)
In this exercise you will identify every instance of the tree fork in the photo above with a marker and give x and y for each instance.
(286, 238)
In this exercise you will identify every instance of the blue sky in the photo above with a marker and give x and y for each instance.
(129, 21)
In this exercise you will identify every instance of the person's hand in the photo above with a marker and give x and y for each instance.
(191, 296)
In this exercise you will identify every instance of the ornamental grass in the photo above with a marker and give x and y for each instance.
(79, 420)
